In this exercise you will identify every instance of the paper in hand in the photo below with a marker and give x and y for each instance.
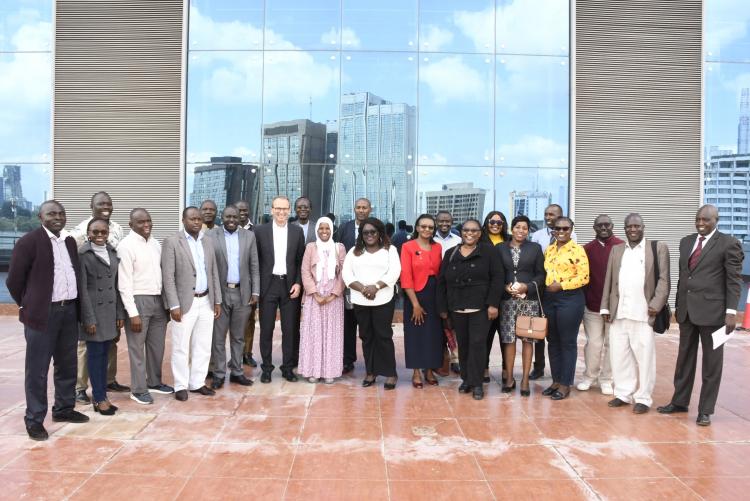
(720, 336)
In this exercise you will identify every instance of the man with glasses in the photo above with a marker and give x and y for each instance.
(544, 237)
(280, 250)
(596, 351)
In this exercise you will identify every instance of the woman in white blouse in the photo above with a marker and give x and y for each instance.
(371, 269)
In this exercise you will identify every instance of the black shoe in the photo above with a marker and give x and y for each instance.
(477, 393)
(486, 379)
(163, 389)
(241, 379)
(37, 432)
(181, 395)
(525, 393)
(117, 387)
(70, 416)
(366, 383)
(455, 369)
(204, 390)
(265, 377)
(248, 359)
(508, 389)
(616, 402)
(549, 390)
(217, 383)
(703, 420)
(671, 408)
(290, 376)
(390, 386)
(109, 411)
(536, 374)
(560, 395)
(464, 388)
(82, 398)
(348, 368)
(640, 409)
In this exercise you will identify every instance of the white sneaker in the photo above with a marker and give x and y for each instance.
(607, 389)
(584, 385)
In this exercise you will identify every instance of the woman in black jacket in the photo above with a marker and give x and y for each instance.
(524, 280)
(470, 285)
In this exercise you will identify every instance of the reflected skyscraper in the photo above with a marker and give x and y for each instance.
(376, 150)
(530, 204)
(12, 190)
(462, 200)
(225, 181)
(294, 158)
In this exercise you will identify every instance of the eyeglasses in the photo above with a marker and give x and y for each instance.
(280, 208)
(99, 232)
(471, 230)
(496, 222)
(369, 232)
(563, 228)
(425, 227)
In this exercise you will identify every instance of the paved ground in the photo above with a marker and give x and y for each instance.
(304, 441)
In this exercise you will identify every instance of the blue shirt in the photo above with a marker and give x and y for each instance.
(196, 249)
(233, 256)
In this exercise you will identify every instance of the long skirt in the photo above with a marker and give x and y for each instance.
(423, 344)
(322, 339)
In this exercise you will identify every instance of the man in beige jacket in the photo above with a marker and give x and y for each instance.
(631, 299)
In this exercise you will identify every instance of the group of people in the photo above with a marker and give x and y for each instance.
(76, 291)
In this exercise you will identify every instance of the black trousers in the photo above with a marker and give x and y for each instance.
(712, 364)
(377, 338)
(277, 296)
(471, 335)
(60, 344)
(539, 354)
(350, 337)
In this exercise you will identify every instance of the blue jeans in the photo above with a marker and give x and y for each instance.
(96, 354)
(564, 312)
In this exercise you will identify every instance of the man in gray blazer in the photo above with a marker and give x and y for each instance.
(708, 291)
(631, 298)
(193, 295)
(237, 262)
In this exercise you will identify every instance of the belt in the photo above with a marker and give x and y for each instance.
(64, 302)
(280, 277)
(233, 286)
(204, 293)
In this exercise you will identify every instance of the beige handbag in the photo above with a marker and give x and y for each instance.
(532, 327)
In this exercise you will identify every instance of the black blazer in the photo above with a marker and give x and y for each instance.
(345, 235)
(31, 276)
(474, 281)
(705, 293)
(530, 268)
(295, 249)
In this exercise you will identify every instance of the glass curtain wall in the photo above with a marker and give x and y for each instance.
(25, 107)
(417, 105)
(727, 113)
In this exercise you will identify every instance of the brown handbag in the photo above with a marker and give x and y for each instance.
(532, 327)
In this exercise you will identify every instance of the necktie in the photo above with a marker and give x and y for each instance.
(551, 238)
(696, 254)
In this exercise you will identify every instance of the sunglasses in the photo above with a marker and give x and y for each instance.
(471, 230)
(369, 232)
(99, 232)
(496, 222)
(563, 228)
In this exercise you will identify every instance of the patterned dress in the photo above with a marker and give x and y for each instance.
(322, 332)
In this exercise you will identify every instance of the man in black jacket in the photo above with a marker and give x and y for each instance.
(42, 279)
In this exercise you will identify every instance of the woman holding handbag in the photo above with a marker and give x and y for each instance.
(524, 279)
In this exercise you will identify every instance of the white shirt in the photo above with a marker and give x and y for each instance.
(369, 269)
(199, 261)
(305, 227)
(139, 273)
(448, 242)
(115, 233)
(280, 237)
(543, 236)
(633, 304)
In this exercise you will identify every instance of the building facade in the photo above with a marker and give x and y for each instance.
(462, 200)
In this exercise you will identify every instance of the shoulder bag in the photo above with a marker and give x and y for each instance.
(661, 321)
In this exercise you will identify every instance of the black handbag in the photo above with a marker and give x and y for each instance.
(662, 319)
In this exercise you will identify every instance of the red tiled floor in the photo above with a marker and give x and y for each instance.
(315, 441)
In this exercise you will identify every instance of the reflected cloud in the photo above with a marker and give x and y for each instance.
(726, 22)
(450, 78)
(434, 38)
(532, 150)
(348, 36)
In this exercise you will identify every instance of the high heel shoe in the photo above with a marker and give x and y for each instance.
(508, 389)
(416, 383)
(366, 383)
(433, 381)
(390, 386)
(109, 411)
(561, 393)
(550, 389)
(525, 392)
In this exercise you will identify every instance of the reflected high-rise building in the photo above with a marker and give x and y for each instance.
(726, 177)
(225, 181)
(329, 173)
(530, 204)
(12, 190)
(376, 151)
(294, 158)
(462, 200)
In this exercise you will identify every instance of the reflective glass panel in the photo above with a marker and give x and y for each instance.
(381, 25)
(302, 24)
(226, 24)
(532, 27)
(529, 191)
(450, 26)
(726, 27)
(463, 191)
(25, 25)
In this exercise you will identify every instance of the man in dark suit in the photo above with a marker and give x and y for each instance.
(280, 249)
(302, 208)
(708, 291)
(42, 279)
(237, 263)
(347, 235)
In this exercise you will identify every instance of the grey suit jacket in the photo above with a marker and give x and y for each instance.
(249, 267)
(311, 236)
(656, 294)
(706, 292)
(178, 272)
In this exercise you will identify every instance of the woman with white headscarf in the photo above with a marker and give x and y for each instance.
(322, 328)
